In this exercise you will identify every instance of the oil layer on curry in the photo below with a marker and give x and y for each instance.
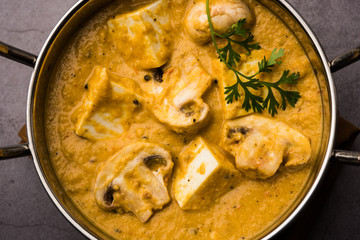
(143, 140)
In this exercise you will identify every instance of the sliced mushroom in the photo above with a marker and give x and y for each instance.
(260, 145)
(135, 180)
(142, 37)
(179, 105)
(223, 15)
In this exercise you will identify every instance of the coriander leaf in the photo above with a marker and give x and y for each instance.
(274, 56)
(230, 58)
(237, 29)
(266, 65)
(248, 45)
(270, 102)
(291, 97)
(232, 93)
(288, 79)
(255, 102)
(229, 55)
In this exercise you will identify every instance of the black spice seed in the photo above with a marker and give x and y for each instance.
(158, 75)
(136, 102)
(194, 120)
(86, 86)
(147, 77)
(216, 81)
(154, 19)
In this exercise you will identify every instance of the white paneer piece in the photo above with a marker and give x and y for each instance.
(248, 65)
(142, 37)
(179, 105)
(224, 13)
(108, 105)
(204, 175)
(135, 180)
(260, 145)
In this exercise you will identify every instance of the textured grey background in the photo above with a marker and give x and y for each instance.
(26, 212)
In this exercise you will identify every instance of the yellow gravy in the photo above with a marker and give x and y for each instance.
(245, 210)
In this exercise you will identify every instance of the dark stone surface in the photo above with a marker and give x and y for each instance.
(26, 212)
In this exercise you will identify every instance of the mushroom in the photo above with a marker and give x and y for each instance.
(179, 104)
(260, 145)
(135, 180)
(223, 15)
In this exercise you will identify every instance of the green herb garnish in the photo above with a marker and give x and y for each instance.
(230, 58)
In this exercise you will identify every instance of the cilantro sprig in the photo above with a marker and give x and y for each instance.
(230, 58)
(228, 53)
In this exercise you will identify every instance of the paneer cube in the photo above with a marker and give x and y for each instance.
(108, 106)
(142, 37)
(204, 175)
(248, 66)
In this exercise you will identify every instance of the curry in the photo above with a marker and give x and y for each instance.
(143, 139)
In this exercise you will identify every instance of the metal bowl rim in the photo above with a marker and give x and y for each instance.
(30, 127)
(29, 116)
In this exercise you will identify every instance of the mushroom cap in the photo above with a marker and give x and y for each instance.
(180, 105)
(135, 180)
(260, 145)
(223, 15)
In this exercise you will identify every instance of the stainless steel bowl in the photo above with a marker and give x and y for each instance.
(43, 66)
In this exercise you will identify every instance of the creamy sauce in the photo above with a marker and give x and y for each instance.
(243, 212)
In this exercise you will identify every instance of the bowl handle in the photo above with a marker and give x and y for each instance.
(346, 157)
(15, 151)
(17, 55)
(339, 62)
(345, 59)
(28, 59)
